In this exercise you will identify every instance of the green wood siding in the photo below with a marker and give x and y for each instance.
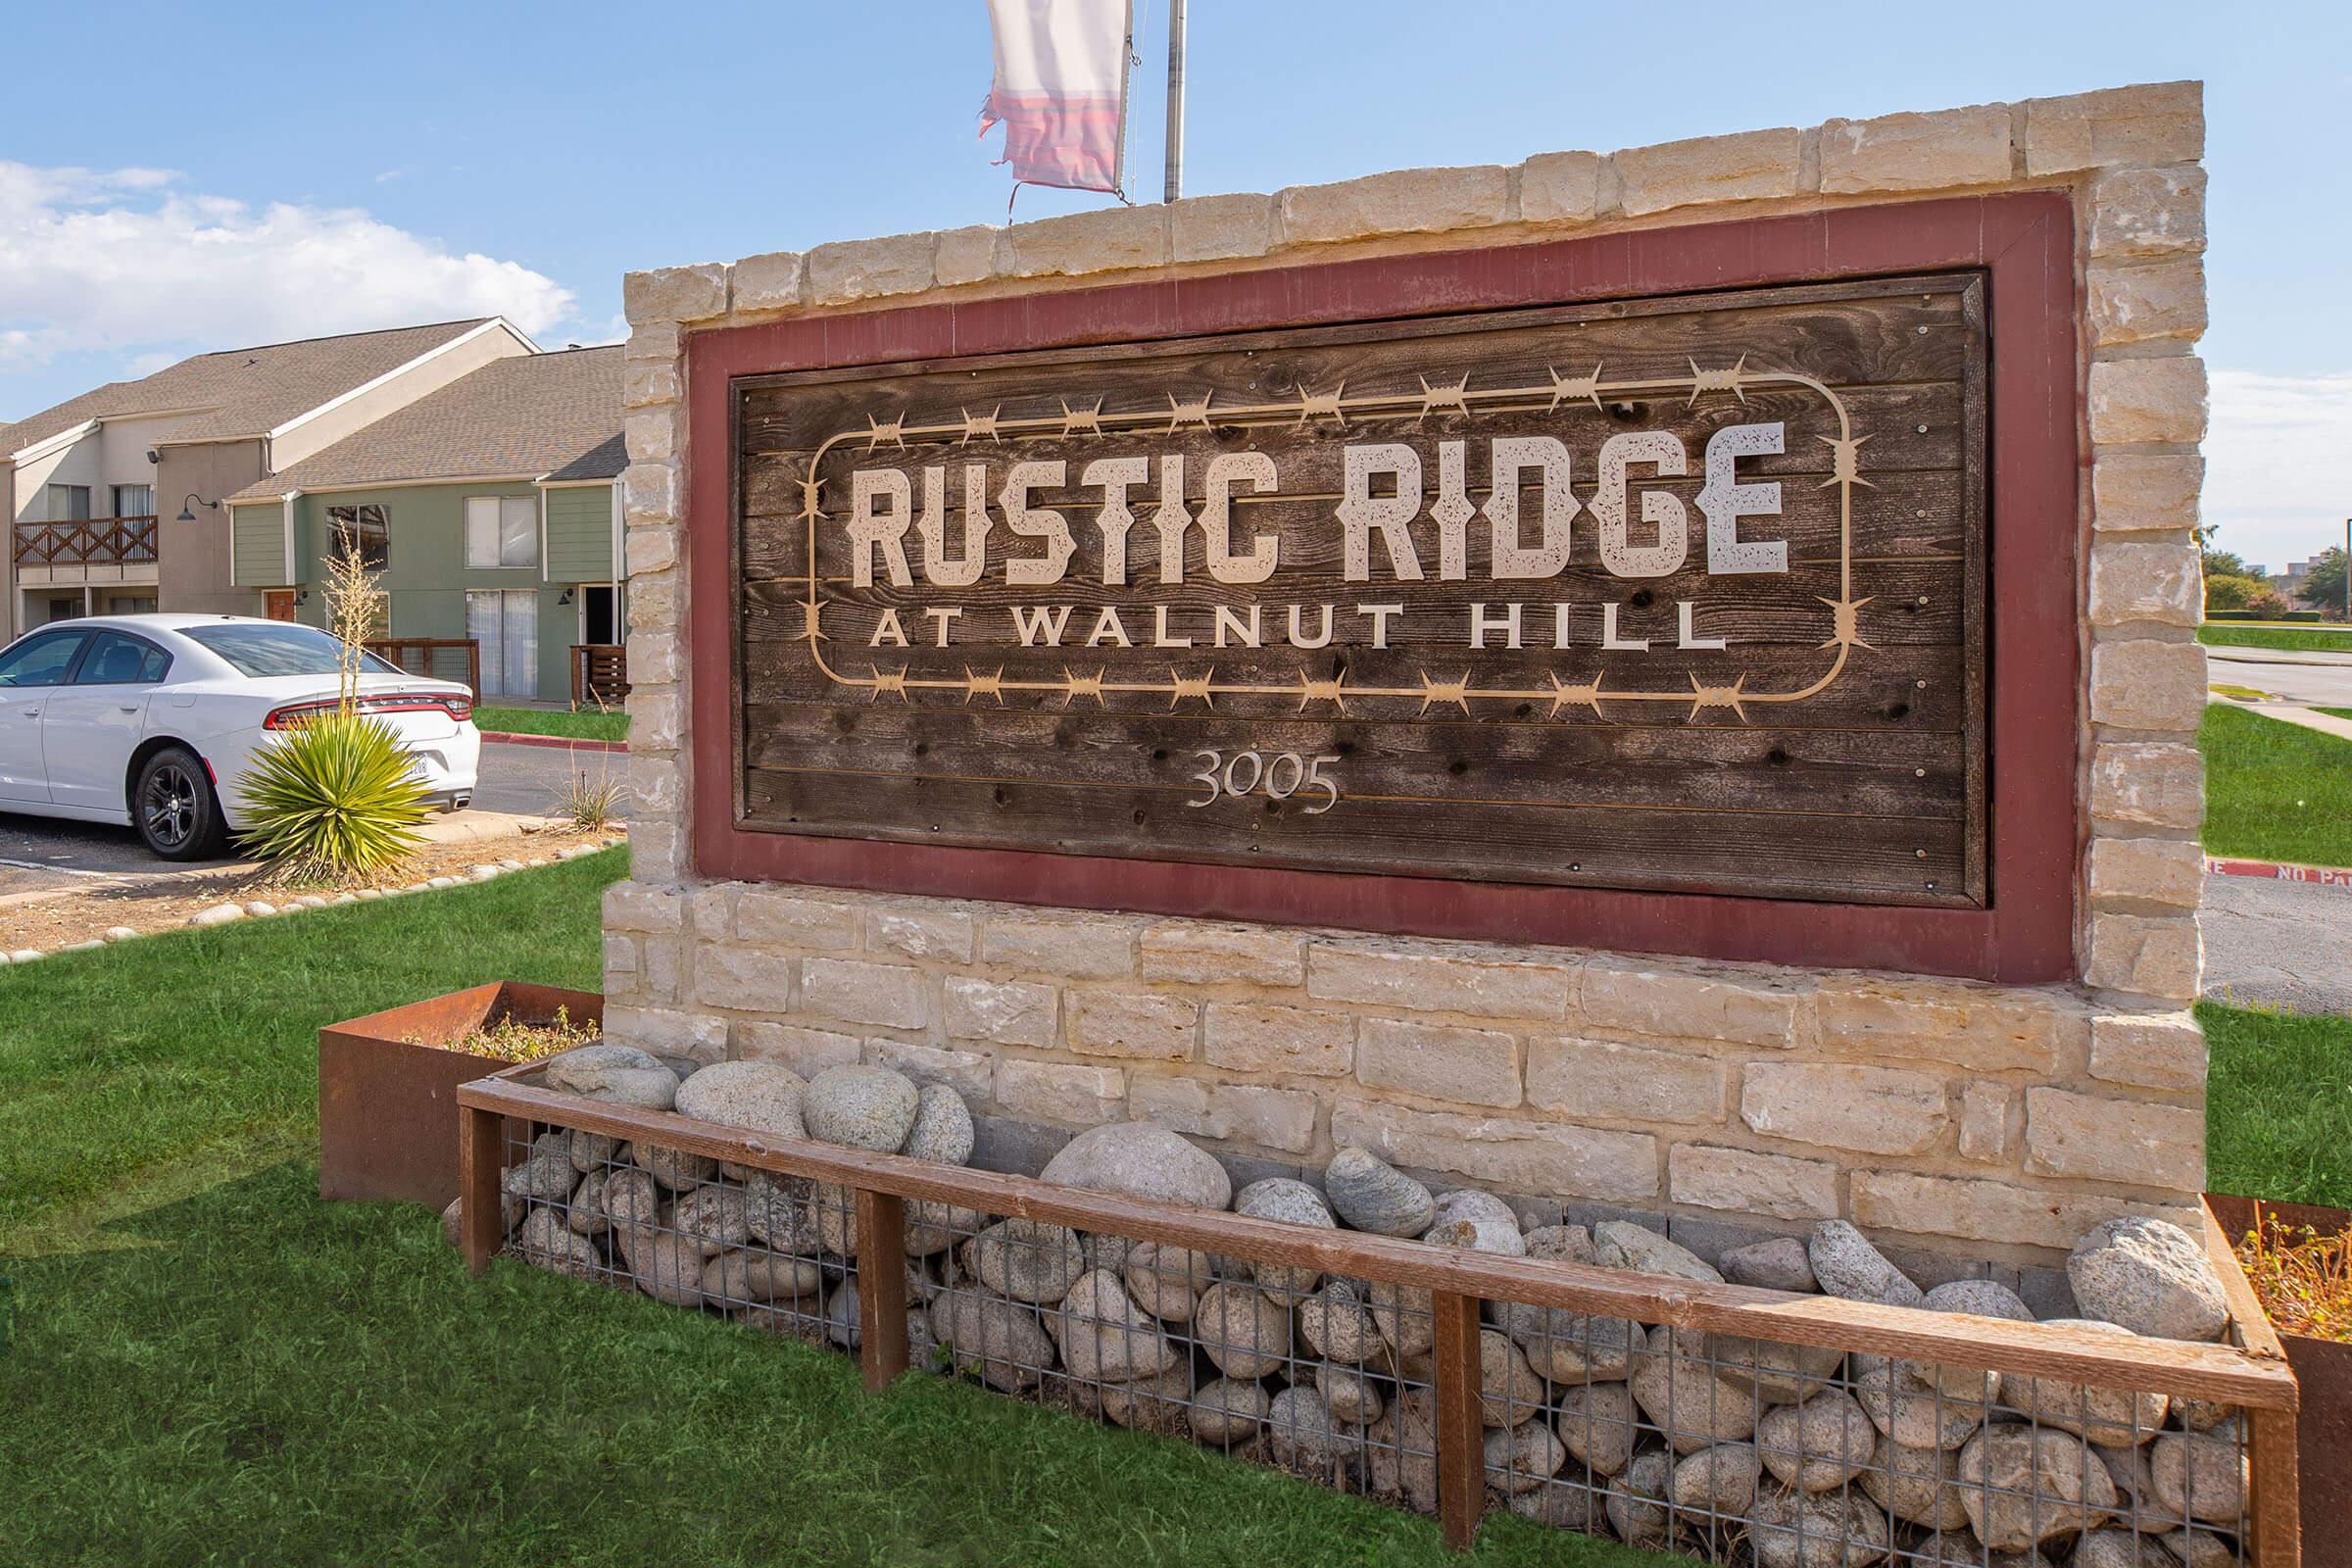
(258, 547)
(579, 533)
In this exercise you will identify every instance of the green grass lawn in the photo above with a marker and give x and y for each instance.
(584, 725)
(2278, 1120)
(202, 1363)
(2276, 791)
(2313, 637)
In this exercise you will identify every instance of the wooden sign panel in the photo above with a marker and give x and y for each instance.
(1682, 594)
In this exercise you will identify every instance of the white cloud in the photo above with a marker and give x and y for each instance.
(127, 262)
(2276, 459)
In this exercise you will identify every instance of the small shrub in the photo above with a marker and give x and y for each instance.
(2230, 593)
(592, 803)
(2303, 1279)
(337, 798)
(517, 1040)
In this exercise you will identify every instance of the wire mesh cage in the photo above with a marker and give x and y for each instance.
(1736, 1426)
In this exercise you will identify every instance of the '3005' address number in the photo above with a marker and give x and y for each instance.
(1281, 777)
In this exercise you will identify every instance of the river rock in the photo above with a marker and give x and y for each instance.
(2127, 1467)
(453, 1218)
(1374, 1195)
(1143, 1161)
(1406, 1317)
(836, 1212)
(1337, 1326)
(1523, 1457)
(1479, 1236)
(2199, 1475)
(2201, 1415)
(1561, 1243)
(1474, 1203)
(544, 1174)
(843, 1330)
(1621, 1244)
(1241, 1331)
(777, 1210)
(545, 1241)
(1227, 1411)
(1815, 1529)
(1980, 1299)
(1354, 1399)
(632, 1200)
(2192, 1548)
(751, 1275)
(1166, 1281)
(1778, 1264)
(1306, 1441)
(1719, 1483)
(676, 1170)
(716, 1217)
(1919, 1485)
(934, 1227)
(1960, 1549)
(1911, 1412)
(1778, 1373)
(1596, 1424)
(1103, 1336)
(993, 1335)
(943, 1131)
(666, 1265)
(1824, 1443)
(1561, 1506)
(1159, 1404)
(1568, 1348)
(620, 1074)
(757, 1096)
(1402, 1462)
(1508, 1389)
(2150, 1277)
(1637, 1501)
(595, 1152)
(1687, 1400)
(862, 1108)
(2116, 1418)
(1294, 1203)
(1846, 1265)
(1026, 1259)
(2121, 1548)
(585, 1213)
(2023, 1486)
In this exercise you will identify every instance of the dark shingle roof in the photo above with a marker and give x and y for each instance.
(532, 414)
(239, 393)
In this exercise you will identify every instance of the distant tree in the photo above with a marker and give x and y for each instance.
(2324, 589)
(2231, 591)
(2226, 563)
(2269, 605)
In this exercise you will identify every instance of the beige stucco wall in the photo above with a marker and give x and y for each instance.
(1975, 1121)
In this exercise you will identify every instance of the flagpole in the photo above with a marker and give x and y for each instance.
(1127, 64)
(1175, 185)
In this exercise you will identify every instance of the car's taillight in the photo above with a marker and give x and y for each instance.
(459, 709)
(293, 713)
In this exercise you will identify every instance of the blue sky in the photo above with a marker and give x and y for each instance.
(266, 172)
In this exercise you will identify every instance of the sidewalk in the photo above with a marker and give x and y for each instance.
(2308, 717)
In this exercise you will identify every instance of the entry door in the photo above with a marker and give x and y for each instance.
(504, 624)
(279, 603)
(596, 617)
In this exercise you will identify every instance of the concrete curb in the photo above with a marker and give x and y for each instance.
(2325, 876)
(502, 738)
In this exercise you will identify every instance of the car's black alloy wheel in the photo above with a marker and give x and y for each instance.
(174, 807)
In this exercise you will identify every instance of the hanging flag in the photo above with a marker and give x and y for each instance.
(1061, 90)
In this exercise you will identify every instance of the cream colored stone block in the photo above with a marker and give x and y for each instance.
(745, 979)
(2149, 1050)
(649, 494)
(1513, 1155)
(1211, 228)
(849, 270)
(1396, 975)
(919, 932)
(2147, 685)
(1870, 1110)
(2147, 784)
(1936, 151)
(654, 716)
(1061, 1091)
(650, 436)
(2093, 1138)
(657, 784)
(667, 1031)
(1103, 240)
(634, 907)
(2147, 211)
(649, 383)
(653, 340)
(654, 657)
(887, 995)
(1984, 1121)
(1742, 1181)
(806, 1051)
(1148, 1025)
(1467, 1066)
(654, 605)
(651, 550)
(1074, 947)
(1281, 1119)
(968, 1073)
(2148, 302)
(785, 918)
(664, 968)
(710, 908)
(1010, 1012)
(1404, 201)
(697, 293)
(2160, 582)
(2150, 956)
(1973, 1209)
(2135, 401)
(2141, 492)
(657, 851)
(1560, 188)
(1601, 1080)
(1990, 1028)
(1694, 1000)
(2168, 871)
(2161, 123)
(1753, 166)
(776, 281)
(969, 255)
(1198, 953)
(1244, 1037)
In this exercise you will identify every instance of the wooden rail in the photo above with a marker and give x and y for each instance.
(88, 542)
(417, 655)
(2251, 1373)
(600, 675)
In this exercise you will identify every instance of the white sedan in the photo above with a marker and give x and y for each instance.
(154, 720)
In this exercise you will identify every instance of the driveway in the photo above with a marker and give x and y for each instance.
(2283, 943)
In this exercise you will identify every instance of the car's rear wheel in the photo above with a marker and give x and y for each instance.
(175, 809)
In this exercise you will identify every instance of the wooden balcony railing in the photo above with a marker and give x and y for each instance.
(90, 541)
(600, 675)
(437, 657)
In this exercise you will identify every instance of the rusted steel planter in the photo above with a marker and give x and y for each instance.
(388, 1083)
(2323, 1369)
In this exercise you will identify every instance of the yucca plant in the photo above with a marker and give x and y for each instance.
(335, 800)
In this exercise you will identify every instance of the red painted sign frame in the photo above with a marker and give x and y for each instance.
(2024, 242)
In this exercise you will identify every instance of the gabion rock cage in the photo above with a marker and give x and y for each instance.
(1735, 1425)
